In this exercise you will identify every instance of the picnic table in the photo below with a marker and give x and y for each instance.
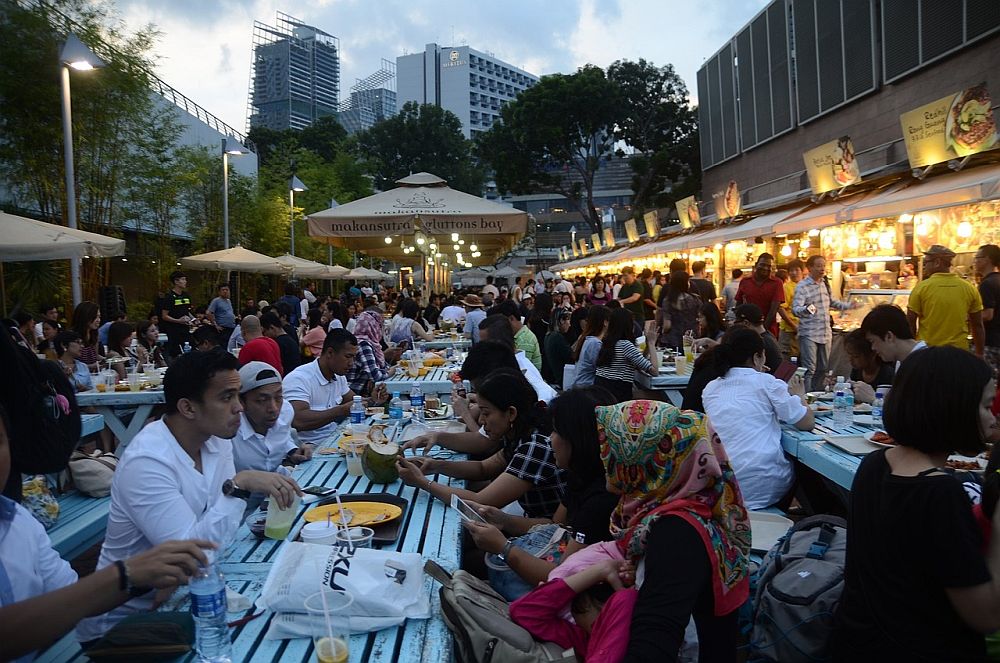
(671, 384)
(445, 343)
(436, 381)
(110, 404)
(429, 528)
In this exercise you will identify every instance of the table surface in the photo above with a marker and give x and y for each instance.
(94, 398)
(665, 380)
(437, 381)
(812, 450)
(430, 528)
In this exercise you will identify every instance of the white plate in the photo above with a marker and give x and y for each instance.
(766, 529)
(864, 419)
(820, 395)
(856, 445)
(868, 436)
(981, 462)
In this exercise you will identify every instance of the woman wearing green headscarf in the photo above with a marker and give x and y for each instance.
(681, 520)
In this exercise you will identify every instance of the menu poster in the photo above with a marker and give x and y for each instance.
(687, 212)
(631, 232)
(609, 238)
(595, 239)
(951, 127)
(727, 202)
(652, 221)
(832, 165)
(583, 246)
(576, 253)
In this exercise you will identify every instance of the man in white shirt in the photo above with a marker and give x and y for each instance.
(562, 286)
(453, 312)
(891, 336)
(264, 439)
(490, 289)
(177, 479)
(516, 293)
(318, 391)
(49, 312)
(307, 293)
(539, 286)
(366, 290)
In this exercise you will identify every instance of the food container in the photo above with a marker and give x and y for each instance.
(360, 537)
(322, 533)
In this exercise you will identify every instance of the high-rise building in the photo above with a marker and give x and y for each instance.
(471, 84)
(295, 74)
(372, 99)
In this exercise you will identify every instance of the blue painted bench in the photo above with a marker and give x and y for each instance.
(82, 522)
(90, 424)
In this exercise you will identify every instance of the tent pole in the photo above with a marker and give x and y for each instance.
(3, 290)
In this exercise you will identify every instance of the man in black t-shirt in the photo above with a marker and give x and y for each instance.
(272, 327)
(175, 314)
(987, 263)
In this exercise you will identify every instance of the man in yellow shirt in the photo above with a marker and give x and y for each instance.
(943, 308)
(788, 324)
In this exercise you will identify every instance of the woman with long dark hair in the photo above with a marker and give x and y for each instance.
(86, 322)
(710, 322)
(586, 505)
(935, 601)
(588, 346)
(405, 326)
(541, 316)
(619, 357)
(524, 469)
(746, 406)
(149, 349)
(678, 311)
(120, 336)
(557, 350)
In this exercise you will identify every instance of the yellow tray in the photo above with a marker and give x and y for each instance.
(365, 513)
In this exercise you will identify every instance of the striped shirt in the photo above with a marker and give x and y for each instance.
(627, 359)
(815, 324)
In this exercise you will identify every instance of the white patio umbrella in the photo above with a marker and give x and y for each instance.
(236, 259)
(545, 275)
(336, 272)
(366, 274)
(301, 267)
(507, 272)
(29, 240)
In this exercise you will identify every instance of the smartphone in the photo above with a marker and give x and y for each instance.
(466, 511)
(319, 491)
(800, 372)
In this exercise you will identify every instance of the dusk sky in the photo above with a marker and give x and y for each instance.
(205, 47)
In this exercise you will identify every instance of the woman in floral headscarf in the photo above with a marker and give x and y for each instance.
(682, 522)
(369, 364)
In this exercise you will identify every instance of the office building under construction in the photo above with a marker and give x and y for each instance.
(372, 99)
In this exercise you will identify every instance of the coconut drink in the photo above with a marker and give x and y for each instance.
(379, 462)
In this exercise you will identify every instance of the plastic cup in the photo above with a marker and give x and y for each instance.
(680, 364)
(279, 521)
(354, 467)
(331, 628)
(134, 381)
(319, 532)
(360, 537)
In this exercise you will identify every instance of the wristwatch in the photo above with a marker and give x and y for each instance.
(230, 489)
(506, 551)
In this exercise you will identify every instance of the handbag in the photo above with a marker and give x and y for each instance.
(38, 499)
(92, 473)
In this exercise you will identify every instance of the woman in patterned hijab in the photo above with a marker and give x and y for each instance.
(681, 520)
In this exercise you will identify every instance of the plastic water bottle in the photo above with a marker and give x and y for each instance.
(877, 408)
(357, 411)
(843, 411)
(186, 348)
(208, 608)
(417, 402)
(396, 407)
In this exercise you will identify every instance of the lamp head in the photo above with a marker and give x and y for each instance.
(295, 184)
(232, 146)
(77, 55)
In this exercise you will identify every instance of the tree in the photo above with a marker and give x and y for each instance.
(323, 137)
(420, 138)
(553, 137)
(660, 126)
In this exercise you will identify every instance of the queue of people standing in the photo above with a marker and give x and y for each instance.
(640, 490)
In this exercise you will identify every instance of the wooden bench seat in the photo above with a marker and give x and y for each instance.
(82, 522)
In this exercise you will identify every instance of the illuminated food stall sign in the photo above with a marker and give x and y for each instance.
(832, 165)
(952, 127)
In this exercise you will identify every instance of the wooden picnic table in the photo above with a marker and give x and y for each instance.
(429, 528)
(110, 404)
(668, 382)
(813, 451)
(445, 343)
(436, 381)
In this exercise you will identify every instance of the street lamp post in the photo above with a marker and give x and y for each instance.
(230, 146)
(295, 184)
(74, 54)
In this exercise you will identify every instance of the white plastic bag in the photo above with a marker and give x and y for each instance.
(302, 568)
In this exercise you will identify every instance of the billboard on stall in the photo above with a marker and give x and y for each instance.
(609, 238)
(631, 232)
(952, 127)
(687, 212)
(652, 221)
(595, 239)
(583, 246)
(727, 202)
(832, 165)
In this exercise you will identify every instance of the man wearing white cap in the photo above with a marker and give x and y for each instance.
(264, 438)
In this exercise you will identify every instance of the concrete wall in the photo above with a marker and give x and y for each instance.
(776, 168)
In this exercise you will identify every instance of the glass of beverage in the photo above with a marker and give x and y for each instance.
(354, 459)
(134, 381)
(279, 521)
(330, 609)
(680, 364)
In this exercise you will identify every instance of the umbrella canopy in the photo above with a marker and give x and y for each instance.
(365, 274)
(507, 272)
(421, 211)
(336, 272)
(545, 275)
(30, 240)
(301, 267)
(238, 259)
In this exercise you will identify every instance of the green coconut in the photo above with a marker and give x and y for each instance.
(379, 462)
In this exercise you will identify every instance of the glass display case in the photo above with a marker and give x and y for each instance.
(846, 321)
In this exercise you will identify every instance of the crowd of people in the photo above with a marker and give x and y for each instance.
(611, 518)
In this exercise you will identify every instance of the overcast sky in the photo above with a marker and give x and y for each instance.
(205, 46)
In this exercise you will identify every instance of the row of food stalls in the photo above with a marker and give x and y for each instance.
(871, 233)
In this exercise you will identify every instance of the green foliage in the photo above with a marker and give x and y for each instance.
(421, 138)
(663, 130)
(554, 136)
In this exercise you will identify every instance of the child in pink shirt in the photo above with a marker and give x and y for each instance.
(600, 605)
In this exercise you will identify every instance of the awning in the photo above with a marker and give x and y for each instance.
(831, 213)
(301, 267)
(760, 225)
(237, 259)
(968, 186)
(30, 240)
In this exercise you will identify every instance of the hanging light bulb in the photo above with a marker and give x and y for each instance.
(805, 244)
(786, 250)
(718, 246)
(473, 247)
(455, 247)
(965, 229)
(434, 246)
(461, 242)
(814, 232)
(853, 242)
(454, 237)
(905, 218)
(887, 240)
(388, 240)
(420, 240)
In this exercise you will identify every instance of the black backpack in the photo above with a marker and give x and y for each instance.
(42, 435)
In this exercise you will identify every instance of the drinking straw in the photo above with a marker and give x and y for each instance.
(326, 608)
(343, 519)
